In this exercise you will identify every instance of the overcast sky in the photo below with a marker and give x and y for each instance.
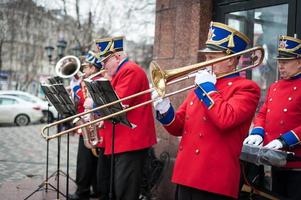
(131, 18)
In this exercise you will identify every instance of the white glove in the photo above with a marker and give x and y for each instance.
(87, 117)
(255, 140)
(74, 82)
(161, 105)
(274, 144)
(88, 104)
(203, 76)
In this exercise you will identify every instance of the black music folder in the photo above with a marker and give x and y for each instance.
(102, 93)
(59, 98)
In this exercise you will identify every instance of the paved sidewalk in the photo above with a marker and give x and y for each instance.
(23, 161)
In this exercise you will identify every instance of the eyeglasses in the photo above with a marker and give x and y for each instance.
(107, 58)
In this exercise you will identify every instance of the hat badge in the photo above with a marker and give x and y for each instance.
(99, 48)
(211, 34)
(282, 44)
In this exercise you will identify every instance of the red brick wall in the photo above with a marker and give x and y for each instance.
(181, 29)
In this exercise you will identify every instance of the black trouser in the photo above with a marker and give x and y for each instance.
(103, 175)
(252, 175)
(286, 183)
(128, 174)
(188, 193)
(85, 170)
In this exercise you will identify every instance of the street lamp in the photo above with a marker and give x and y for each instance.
(76, 51)
(49, 50)
(61, 46)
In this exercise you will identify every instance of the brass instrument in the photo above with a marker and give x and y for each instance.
(67, 67)
(89, 133)
(160, 79)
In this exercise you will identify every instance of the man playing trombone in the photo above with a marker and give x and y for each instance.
(131, 144)
(212, 121)
(277, 125)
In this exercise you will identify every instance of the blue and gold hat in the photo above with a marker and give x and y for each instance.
(90, 58)
(107, 46)
(222, 38)
(289, 48)
(118, 43)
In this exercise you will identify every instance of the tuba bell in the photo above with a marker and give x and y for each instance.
(68, 67)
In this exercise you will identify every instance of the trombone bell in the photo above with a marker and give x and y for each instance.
(158, 78)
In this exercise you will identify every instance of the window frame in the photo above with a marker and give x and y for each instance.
(223, 7)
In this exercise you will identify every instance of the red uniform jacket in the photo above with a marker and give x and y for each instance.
(208, 155)
(131, 79)
(281, 113)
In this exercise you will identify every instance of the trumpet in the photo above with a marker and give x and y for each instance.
(160, 79)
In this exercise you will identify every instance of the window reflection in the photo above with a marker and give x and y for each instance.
(263, 25)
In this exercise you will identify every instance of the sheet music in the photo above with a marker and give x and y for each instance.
(103, 93)
(59, 98)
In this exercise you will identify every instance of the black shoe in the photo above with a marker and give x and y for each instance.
(75, 196)
(93, 195)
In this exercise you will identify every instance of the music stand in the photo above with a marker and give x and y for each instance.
(57, 95)
(102, 93)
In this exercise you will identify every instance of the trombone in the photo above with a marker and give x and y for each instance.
(160, 79)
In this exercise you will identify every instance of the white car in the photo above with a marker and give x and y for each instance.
(51, 114)
(17, 111)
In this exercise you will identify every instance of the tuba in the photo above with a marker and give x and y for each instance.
(67, 67)
(89, 133)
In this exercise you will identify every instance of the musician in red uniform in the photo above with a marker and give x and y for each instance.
(86, 162)
(131, 144)
(278, 123)
(212, 122)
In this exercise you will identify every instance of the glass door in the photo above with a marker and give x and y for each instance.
(262, 21)
(263, 26)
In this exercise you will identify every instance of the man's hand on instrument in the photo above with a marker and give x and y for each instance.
(100, 124)
(87, 117)
(274, 144)
(161, 104)
(203, 76)
(255, 140)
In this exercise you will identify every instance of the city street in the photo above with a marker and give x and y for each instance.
(23, 160)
